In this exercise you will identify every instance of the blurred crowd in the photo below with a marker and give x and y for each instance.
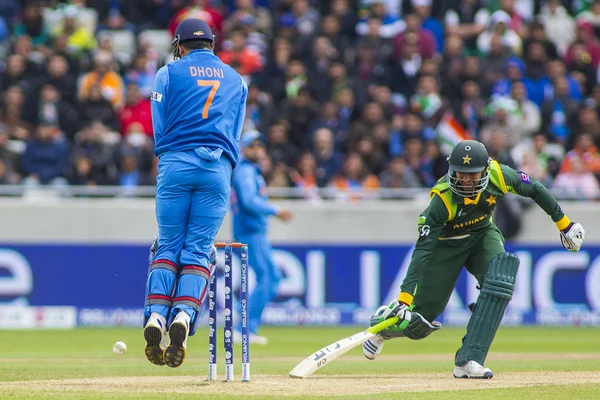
(348, 93)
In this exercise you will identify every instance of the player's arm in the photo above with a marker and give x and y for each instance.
(572, 234)
(246, 190)
(431, 223)
(158, 101)
(241, 114)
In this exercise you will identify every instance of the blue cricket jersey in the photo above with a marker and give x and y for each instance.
(198, 101)
(249, 203)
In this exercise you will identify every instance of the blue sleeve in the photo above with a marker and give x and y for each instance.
(157, 101)
(395, 144)
(249, 200)
(241, 115)
(4, 32)
(575, 93)
(531, 87)
(499, 87)
(438, 32)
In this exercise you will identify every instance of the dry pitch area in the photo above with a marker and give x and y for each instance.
(318, 385)
(540, 363)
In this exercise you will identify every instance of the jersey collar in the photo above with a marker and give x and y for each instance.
(198, 51)
(468, 201)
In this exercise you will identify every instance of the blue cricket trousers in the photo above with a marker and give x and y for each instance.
(192, 197)
(267, 277)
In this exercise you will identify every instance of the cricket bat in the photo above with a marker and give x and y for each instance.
(329, 353)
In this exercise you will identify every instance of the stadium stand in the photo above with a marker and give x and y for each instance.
(351, 95)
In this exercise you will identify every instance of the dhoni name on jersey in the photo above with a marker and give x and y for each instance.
(206, 72)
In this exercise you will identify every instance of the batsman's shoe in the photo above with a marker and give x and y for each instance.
(155, 333)
(372, 347)
(178, 333)
(473, 370)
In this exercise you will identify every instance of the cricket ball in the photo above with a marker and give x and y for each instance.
(119, 348)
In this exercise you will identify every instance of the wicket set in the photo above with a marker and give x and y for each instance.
(228, 329)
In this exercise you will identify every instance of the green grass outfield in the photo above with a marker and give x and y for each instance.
(538, 363)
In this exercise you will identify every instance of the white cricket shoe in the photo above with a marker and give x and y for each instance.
(252, 338)
(372, 347)
(257, 339)
(237, 337)
(473, 370)
(178, 333)
(155, 333)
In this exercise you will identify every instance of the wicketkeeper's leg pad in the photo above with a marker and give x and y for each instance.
(190, 293)
(496, 292)
(193, 306)
(159, 289)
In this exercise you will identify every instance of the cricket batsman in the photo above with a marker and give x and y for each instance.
(198, 108)
(457, 230)
(251, 211)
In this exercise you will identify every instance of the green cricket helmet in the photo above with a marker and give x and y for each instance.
(468, 156)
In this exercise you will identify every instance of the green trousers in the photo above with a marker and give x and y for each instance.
(437, 280)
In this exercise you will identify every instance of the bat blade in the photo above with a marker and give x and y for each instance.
(329, 353)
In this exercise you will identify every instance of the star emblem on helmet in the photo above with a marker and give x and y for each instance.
(467, 159)
(491, 200)
(198, 33)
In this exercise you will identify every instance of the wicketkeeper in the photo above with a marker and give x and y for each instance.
(457, 230)
(198, 109)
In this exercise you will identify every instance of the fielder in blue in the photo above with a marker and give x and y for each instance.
(198, 108)
(251, 211)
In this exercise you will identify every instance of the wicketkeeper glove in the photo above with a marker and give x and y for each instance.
(572, 236)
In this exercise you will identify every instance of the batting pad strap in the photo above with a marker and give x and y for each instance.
(563, 223)
(499, 288)
(196, 270)
(187, 301)
(165, 264)
(159, 299)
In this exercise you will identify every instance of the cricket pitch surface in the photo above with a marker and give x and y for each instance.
(317, 385)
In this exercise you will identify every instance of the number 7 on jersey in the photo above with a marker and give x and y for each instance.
(215, 85)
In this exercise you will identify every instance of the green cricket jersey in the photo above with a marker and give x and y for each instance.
(451, 217)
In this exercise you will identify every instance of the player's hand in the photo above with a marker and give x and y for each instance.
(572, 236)
(284, 215)
(397, 309)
